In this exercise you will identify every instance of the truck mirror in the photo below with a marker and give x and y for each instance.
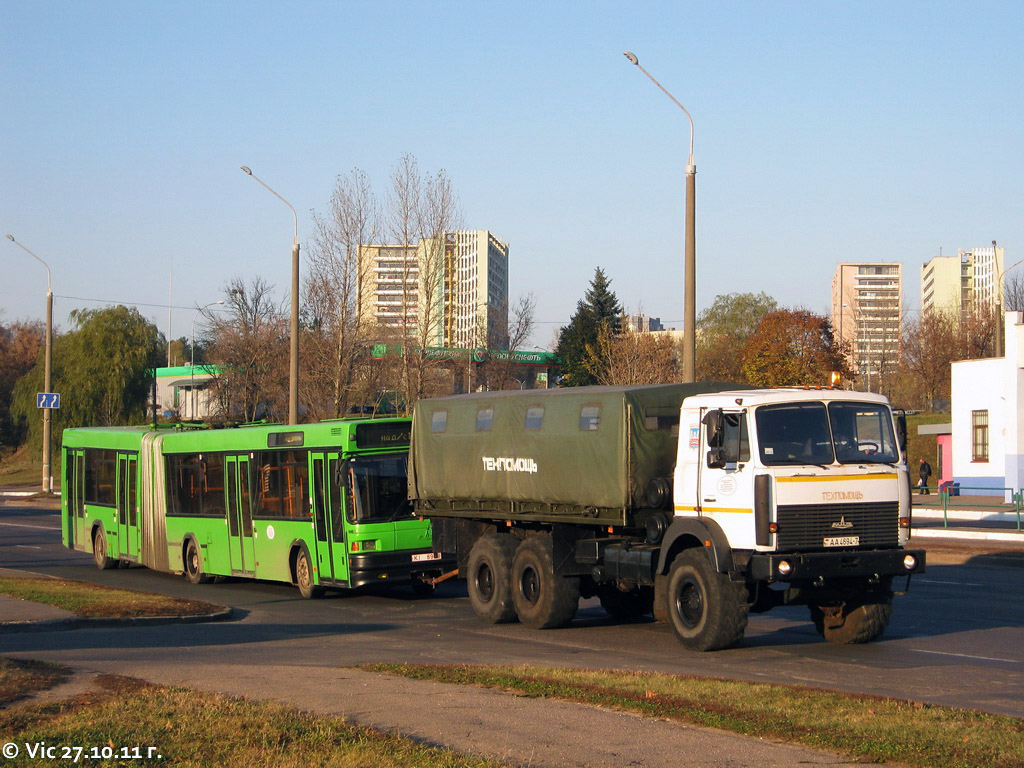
(716, 459)
(901, 430)
(714, 427)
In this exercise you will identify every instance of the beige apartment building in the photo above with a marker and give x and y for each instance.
(867, 301)
(444, 292)
(969, 280)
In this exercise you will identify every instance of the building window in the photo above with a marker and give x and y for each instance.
(979, 436)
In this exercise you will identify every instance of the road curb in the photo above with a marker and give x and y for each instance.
(60, 625)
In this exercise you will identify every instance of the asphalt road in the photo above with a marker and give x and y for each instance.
(955, 639)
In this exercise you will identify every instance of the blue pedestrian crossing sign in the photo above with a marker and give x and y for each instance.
(47, 400)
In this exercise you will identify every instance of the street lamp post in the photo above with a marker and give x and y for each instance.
(192, 366)
(293, 372)
(47, 366)
(690, 264)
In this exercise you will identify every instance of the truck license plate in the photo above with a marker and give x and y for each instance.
(426, 557)
(841, 541)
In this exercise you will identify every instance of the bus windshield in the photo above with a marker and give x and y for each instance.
(811, 433)
(378, 491)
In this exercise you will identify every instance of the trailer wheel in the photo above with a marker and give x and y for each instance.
(99, 552)
(304, 577)
(488, 578)
(706, 610)
(543, 599)
(194, 564)
(853, 623)
(625, 605)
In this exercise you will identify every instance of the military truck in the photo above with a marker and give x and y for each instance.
(699, 502)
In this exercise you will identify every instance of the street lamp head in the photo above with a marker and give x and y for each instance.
(632, 57)
(247, 169)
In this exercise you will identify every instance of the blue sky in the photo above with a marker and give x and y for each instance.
(825, 132)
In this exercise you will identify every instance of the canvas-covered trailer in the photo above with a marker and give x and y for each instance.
(583, 454)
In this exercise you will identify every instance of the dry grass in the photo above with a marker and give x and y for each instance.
(20, 678)
(19, 468)
(189, 728)
(95, 601)
(866, 728)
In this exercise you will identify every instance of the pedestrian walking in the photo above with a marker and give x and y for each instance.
(925, 471)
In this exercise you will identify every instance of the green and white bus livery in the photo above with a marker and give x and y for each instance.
(317, 505)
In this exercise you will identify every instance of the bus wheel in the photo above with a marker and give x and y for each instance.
(487, 579)
(707, 612)
(543, 598)
(99, 552)
(194, 564)
(304, 577)
(853, 623)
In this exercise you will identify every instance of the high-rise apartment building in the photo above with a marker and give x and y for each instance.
(447, 292)
(867, 301)
(969, 280)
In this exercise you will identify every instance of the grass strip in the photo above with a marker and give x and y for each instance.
(191, 728)
(865, 727)
(96, 601)
(23, 677)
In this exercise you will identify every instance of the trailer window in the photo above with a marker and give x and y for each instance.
(484, 419)
(590, 418)
(439, 421)
(661, 418)
(534, 417)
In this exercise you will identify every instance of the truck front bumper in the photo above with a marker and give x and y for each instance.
(812, 566)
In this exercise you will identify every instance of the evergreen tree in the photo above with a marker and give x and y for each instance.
(577, 342)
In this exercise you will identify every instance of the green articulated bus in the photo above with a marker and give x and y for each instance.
(317, 505)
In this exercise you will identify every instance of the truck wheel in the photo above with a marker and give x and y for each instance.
(304, 577)
(488, 578)
(194, 564)
(706, 610)
(625, 605)
(543, 599)
(99, 552)
(857, 624)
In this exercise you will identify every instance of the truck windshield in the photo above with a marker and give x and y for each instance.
(811, 433)
(378, 491)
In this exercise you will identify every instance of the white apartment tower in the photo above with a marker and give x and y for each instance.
(867, 301)
(969, 280)
(448, 292)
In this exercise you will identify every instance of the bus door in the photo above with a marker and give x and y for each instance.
(239, 503)
(74, 498)
(329, 516)
(127, 507)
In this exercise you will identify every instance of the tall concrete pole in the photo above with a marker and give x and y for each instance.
(47, 366)
(690, 248)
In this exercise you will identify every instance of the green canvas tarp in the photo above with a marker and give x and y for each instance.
(589, 447)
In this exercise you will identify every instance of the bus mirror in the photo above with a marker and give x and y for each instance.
(341, 474)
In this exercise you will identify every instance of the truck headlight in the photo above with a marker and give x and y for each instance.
(909, 562)
(784, 568)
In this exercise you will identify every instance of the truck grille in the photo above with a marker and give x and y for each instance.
(805, 526)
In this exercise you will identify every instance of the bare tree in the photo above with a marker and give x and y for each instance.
(633, 358)
(517, 330)
(425, 215)
(336, 277)
(250, 343)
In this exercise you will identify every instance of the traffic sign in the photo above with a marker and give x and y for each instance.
(47, 400)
